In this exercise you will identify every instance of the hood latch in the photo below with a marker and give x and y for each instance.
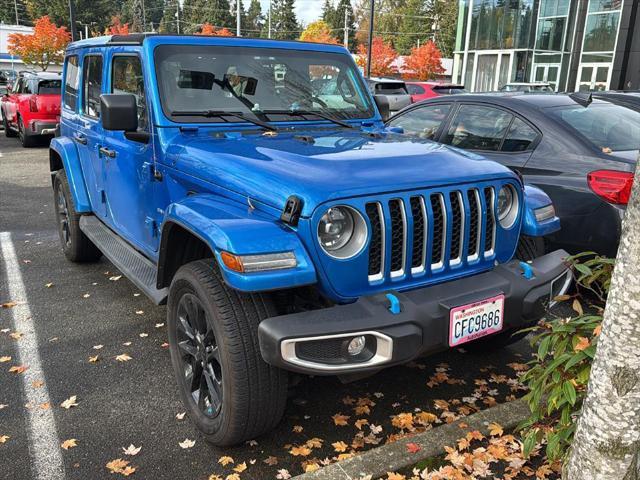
(292, 210)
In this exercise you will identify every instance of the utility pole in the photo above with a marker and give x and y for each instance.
(269, 19)
(15, 4)
(178, 16)
(346, 28)
(144, 17)
(72, 19)
(371, 19)
(238, 18)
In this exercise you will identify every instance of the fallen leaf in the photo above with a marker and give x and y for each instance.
(136, 294)
(413, 447)
(340, 446)
(139, 312)
(224, 461)
(495, 430)
(67, 444)
(159, 325)
(180, 416)
(69, 402)
(18, 369)
(283, 474)
(93, 359)
(115, 278)
(126, 344)
(123, 357)
(120, 466)
(5, 359)
(16, 335)
(97, 347)
(297, 429)
(597, 330)
(45, 406)
(252, 443)
(187, 443)
(302, 450)
(395, 476)
(340, 420)
(86, 295)
(213, 476)
(577, 307)
(48, 285)
(311, 467)
(8, 304)
(3, 405)
(164, 345)
(314, 442)
(232, 476)
(37, 383)
(4, 438)
(241, 467)
(583, 343)
(131, 450)
(271, 460)
(143, 335)
(361, 423)
(375, 429)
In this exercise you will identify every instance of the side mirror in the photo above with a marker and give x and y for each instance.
(382, 102)
(119, 112)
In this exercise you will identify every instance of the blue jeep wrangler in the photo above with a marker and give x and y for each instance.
(251, 185)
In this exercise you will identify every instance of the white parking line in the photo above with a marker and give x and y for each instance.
(44, 445)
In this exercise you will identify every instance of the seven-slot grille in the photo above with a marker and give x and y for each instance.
(438, 235)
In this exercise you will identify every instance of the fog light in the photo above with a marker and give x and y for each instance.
(356, 345)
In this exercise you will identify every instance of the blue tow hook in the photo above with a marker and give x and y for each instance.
(394, 303)
(527, 271)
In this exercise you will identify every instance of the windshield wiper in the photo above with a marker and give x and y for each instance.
(222, 114)
(305, 113)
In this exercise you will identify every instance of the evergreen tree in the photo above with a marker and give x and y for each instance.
(414, 20)
(284, 24)
(187, 16)
(243, 16)
(214, 12)
(445, 19)
(153, 10)
(169, 21)
(255, 19)
(8, 12)
(338, 27)
(95, 13)
(329, 13)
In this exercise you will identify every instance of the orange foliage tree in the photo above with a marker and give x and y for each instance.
(208, 29)
(117, 27)
(42, 48)
(318, 32)
(424, 63)
(382, 57)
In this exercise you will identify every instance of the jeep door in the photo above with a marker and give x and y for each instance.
(88, 132)
(129, 169)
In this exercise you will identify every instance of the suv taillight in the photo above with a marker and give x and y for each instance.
(611, 185)
(33, 104)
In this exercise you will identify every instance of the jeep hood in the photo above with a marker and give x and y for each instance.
(323, 166)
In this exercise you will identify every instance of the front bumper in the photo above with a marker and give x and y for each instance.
(313, 342)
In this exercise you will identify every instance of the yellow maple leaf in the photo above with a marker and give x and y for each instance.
(297, 429)
(4, 438)
(241, 467)
(213, 476)
(340, 420)
(403, 421)
(425, 418)
(69, 402)
(340, 446)
(361, 423)
(224, 461)
(18, 369)
(123, 357)
(395, 476)
(302, 450)
(495, 430)
(232, 476)
(67, 444)
(5, 359)
(311, 467)
(314, 442)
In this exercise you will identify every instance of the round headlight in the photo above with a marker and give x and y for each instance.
(342, 232)
(507, 206)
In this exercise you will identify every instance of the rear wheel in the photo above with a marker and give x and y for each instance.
(230, 393)
(26, 139)
(75, 244)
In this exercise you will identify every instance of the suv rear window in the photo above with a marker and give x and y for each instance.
(607, 126)
(48, 87)
(391, 88)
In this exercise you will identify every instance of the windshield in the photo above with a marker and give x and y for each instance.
(607, 126)
(257, 81)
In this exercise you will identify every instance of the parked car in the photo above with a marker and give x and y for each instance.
(422, 90)
(528, 87)
(7, 77)
(287, 233)
(582, 153)
(32, 108)
(629, 99)
(394, 90)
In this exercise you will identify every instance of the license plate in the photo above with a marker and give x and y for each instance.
(474, 320)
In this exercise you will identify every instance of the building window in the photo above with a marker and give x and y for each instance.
(550, 34)
(554, 8)
(601, 32)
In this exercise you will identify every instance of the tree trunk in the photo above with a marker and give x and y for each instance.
(607, 437)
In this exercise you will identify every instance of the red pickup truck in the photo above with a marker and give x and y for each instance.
(31, 109)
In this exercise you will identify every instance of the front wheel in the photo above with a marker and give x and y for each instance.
(230, 393)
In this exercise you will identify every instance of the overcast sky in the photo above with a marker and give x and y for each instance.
(306, 10)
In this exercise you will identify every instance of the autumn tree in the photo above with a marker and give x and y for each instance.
(383, 56)
(318, 32)
(424, 63)
(42, 48)
(117, 27)
(210, 30)
(606, 442)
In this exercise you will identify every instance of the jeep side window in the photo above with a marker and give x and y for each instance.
(126, 77)
(92, 85)
(422, 121)
(476, 127)
(71, 83)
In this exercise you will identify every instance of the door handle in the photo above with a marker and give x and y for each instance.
(80, 139)
(107, 153)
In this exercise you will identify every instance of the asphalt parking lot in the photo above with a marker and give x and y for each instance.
(86, 319)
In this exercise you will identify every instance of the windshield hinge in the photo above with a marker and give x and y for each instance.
(292, 210)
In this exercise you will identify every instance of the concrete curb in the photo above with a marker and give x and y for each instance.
(393, 456)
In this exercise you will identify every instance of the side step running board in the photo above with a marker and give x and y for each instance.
(135, 266)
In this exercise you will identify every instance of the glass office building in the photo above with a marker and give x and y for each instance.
(569, 44)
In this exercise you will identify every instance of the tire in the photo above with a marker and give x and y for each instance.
(27, 140)
(530, 248)
(75, 244)
(250, 395)
(8, 132)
